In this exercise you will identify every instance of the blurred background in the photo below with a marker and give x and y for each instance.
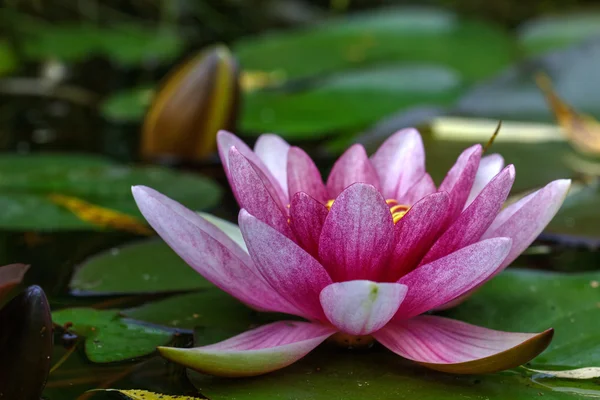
(99, 95)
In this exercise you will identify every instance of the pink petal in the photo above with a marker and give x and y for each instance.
(357, 236)
(434, 284)
(489, 166)
(226, 141)
(290, 270)
(458, 347)
(304, 176)
(10, 276)
(307, 216)
(459, 180)
(420, 189)
(361, 307)
(209, 251)
(254, 193)
(524, 220)
(416, 232)
(273, 151)
(475, 220)
(261, 350)
(352, 167)
(400, 162)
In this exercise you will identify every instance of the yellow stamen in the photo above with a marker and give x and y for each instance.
(397, 210)
(329, 204)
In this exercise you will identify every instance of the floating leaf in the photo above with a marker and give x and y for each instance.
(25, 345)
(8, 60)
(579, 373)
(402, 34)
(212, 308)
(559, 31)
(26, 181)
(148, 266)
(146, 395)
(127, 105)
(350, 100)
(110, 338)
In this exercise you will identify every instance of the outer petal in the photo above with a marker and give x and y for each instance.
(416, 232)
(400, 162)
(489, 166)
(290, 270)
(261, 350)
(459, 180)
(226, 141)
(307, 217)
(353, 166)
(361, 307)
(524, 220)
(357, 236)
(228, 228)
(254, 194)
(209, 251)
(475, 220)
(273, 151)
(420, 189)
(437, 283)
(457, 347)
(304, 176)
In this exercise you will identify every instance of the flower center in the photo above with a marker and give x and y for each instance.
(352, 341)
(398, 210)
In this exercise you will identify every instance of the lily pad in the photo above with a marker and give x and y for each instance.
(127, 106)
(405, 34)
(25, 345)
(349, 100)
(530, 301)
(513, 94)
(558, 31)
(148, 266)
(27, 181)
(211, 308)
(375, 374)
(110, 338)
(8, 60)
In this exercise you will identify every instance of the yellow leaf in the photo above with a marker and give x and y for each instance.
(146, 395)
(100, 216)
(582, 131)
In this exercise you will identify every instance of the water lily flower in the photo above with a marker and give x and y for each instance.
(363, 257)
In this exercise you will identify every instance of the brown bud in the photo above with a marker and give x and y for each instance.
(195, 100)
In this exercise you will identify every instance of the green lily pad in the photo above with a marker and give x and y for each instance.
(350, 100)
(417, 35)
(148, 266)
(532, 301)
(212, 308)
(110, 338)
(26, 181)
(8, 59)
(560, 31)
(514, 95)
(375, 374)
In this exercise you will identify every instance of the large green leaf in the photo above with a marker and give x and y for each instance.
(417, 35)
(376, 374)
(517, 300)
(532, 301)
(513, 94)
(110, 338)
(26, 181)
(555, 32)
(149, 266)
(350, 100)
(213, 309)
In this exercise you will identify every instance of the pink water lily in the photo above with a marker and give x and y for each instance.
(361, 257)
